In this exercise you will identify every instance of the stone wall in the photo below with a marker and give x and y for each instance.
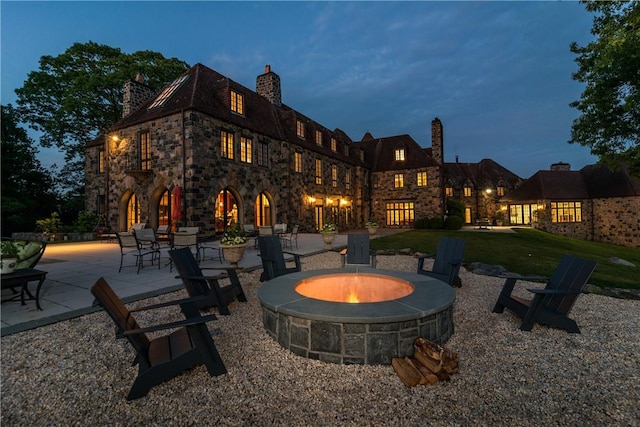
(617, 220)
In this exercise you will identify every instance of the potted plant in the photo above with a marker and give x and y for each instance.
(499, 218)
(372, 226)
(50, 226)
(329, 231)
(233, 244)
(9, 256)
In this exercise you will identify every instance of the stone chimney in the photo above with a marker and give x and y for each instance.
(561, 166)
(437, 141)
(135, 93)
(268, 85)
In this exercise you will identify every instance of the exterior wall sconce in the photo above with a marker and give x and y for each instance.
(488, 191)
(329, 201)
(311, 200)
(343, 202)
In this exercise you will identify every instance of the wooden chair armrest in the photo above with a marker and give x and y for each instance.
(180, 302)
(520, 277)
(423, 256)
(171, 325)
(558, 291)
(291, 253)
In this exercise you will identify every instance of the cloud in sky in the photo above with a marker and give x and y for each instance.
(498, 74)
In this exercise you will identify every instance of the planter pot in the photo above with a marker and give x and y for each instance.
(9, 265)
(372, 230)
(328, 239)
(233, 253)
(499, 222)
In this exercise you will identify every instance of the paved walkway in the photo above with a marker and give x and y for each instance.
(72, 268)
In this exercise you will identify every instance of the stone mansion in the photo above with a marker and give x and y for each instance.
(243, 156)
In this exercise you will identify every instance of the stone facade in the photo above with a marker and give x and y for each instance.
(617, 220)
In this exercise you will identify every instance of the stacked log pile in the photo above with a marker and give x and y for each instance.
(430, 363)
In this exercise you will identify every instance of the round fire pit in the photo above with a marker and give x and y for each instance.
(356, 315)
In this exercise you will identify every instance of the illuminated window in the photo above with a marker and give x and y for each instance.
(400, 213)
(400, 154)
(334, 176)
(168, 91)
(334, 145)
(145, 151)
(376, 181)
(398, 180)
(237, 102)
(500, 191)
(133, 211)
(262, 154)
(297, 162)
(246, 150)
(467, 191)
(422, 179)
(318, 137)
(566, 212)
(101, 159)
(347, 180)
(300, 129)
(226, 145)
(318, 171)
(448, 191)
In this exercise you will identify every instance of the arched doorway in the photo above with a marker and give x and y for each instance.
(160, 213)
(263, 213)
(132, 213)
(226, 210)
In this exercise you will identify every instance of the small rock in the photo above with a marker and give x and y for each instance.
(620, 261)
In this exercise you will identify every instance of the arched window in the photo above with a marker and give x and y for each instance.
(133, 211)
(263, 210)
(226, 211)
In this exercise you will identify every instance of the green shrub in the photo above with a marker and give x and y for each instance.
(453, 222)
(51, 224)
(85, 222)
(455, 207)
(421, 223)
(436, 223)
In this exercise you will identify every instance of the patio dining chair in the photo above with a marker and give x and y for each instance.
(288, 239)
(129, 245)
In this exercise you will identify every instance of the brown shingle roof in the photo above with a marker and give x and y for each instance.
(486, 173)
(380, 153)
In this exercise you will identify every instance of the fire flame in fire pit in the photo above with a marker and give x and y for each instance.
(354, 287)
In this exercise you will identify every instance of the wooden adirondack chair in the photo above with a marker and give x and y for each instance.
(448, 259)
(273, 262)
(358, 251)
(197, 284)
(165, 357)
(551, 305)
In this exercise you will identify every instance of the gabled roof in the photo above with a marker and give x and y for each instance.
(486, 173)
(380, 153)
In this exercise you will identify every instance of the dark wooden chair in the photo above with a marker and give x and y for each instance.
(273, 262)
(447, 262)
(358, 251)
(550, 306)
(162, 358)
(129, 245)
(197, 284)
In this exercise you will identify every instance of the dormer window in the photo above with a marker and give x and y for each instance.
(168, 91)
(318, 137)
(334, 145)
(400, 154)
(300, 129)
(237, 102)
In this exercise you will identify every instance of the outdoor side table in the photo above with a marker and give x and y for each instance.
(21, 278)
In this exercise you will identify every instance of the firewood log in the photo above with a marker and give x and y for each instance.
(408, 374)
(426, 373)
(423, 379)
(433, 365)
(433, 350)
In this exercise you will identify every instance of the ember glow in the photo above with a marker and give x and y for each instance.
(354, 288)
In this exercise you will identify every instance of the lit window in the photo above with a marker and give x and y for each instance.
(448, 191)
(145, 151)
(237, 102)
(334, 145)
(566, 212)
(168, 91)
(422, 179)
(318, 171)
(376, 182)
(297, 162)
(500, 191)
(101, 161)
(318, 137)
(398, 180)
(300, 129)
(400, 154)
(467, 191)
(334, 176)
(226, 145)
(262, 154)
(347, 180)
(246, 150)
(400, 213)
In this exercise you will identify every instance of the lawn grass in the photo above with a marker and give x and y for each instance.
(527, 251)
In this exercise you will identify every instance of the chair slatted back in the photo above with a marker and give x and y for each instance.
(187, 266)
(127, 240)
(120, 315)
(146, 234)
(185, 240)
(449, 250)
(265, 230)
(571, 274)
(272, 257)
(358, 249)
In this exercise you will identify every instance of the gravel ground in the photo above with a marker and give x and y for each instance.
(76, 373)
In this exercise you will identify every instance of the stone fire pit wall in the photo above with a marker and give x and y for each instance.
(365, 333)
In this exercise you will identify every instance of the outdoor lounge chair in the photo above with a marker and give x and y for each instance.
(550, 306)
(358, 251)
(162, 358)
(273, 262)
(447, 262)
(197, 284)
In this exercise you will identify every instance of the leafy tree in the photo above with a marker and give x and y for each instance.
(75, 95)
(27, 189)
(610, 66)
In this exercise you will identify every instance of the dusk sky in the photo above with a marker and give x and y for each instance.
(497, 74)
